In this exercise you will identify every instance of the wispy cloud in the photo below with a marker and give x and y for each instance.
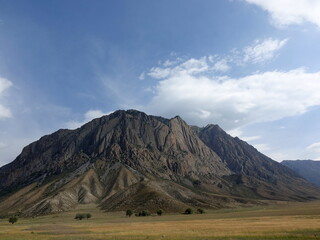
(142, 76)
(262, 51)
(88, 116)
(313, 151)
(262, 147)
(287, 12)
(221, 66)
(238, 132)
(5, 112)
(250, 138)
(192, 89)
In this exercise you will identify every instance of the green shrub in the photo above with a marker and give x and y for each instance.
(79, 216)
(188, 211)
(201, 211)
(13, 219)
(144, 213)
(129, 212)
(159, 212)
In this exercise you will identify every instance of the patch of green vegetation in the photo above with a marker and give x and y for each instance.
(160, 212)
(143, 213)
(200, 210)
(81, 216)
(188, 211)
(315, 232)
(13, 219)
(129, 212)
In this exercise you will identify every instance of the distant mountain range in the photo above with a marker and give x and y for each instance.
(308, 169)
(129, 159)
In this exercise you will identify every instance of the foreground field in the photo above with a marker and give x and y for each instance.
(284, 221)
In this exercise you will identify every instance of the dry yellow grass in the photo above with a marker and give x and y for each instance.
(292, 221)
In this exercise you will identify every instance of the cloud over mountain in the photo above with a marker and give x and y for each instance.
(193, 90)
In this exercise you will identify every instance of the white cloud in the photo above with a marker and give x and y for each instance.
(4, 111)
(142, 76)
(250, 138)
(280, 156)
(191, 66)
(158, 73)
(259, 52)
(314, 147)
(169, 63)
(287, 12)
(88, 116)
(221, 66)
(4, 84)
(313, 151)
(262, 51)
(236, 132)
(262, 147)
(191, 89)
(94, 114)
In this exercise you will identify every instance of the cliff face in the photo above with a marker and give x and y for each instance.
(251, 168)
(130, 159)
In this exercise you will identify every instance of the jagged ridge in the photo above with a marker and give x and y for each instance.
(130, 159)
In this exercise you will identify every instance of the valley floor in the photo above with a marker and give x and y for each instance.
(281, 221)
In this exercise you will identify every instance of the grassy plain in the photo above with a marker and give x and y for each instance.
(281, 221)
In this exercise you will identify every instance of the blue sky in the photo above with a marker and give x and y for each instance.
(251, 66)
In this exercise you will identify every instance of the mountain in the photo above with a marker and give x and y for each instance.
(252, 169)
(129, 159)
(307, 169)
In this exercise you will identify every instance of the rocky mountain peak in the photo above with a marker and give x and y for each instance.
(116, 159)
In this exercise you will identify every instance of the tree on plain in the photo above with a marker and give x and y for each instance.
(188, 211)
(13, 219)
(144, 213)
(201, 211)
(159, 212)
(129, 212)
(79, 216)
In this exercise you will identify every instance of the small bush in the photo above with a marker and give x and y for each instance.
(201, 211)
(13, 219)
(144, 213)
(159, 212)
(188, 211)
(79, 216)
(129, 212)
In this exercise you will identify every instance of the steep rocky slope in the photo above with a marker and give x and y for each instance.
(129, 159)
(252, 169)
(307, 169)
